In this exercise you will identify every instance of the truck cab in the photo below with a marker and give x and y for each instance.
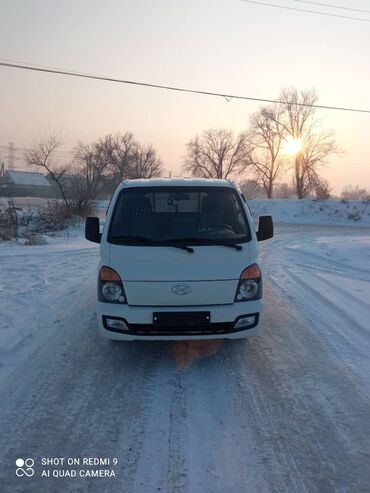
(179, 260)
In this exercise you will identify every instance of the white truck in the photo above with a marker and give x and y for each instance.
(178, 260)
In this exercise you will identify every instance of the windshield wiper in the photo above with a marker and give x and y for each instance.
(210, 242)
(176, 244)
(182, 247)
(230, 245)
(153, 242)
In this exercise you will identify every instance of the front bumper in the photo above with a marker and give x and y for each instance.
(139, 321)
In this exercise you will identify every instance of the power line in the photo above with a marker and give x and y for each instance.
(333, 6)
(228, 97)
(56, 152)
(255, 2)
(29, 64)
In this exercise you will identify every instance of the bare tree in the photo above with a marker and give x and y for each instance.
(89, 173)
(118, 151)
(127, 158)
(297, 119)
(145, 163)
(217, 154)
(315, 150)
(41, 155)
(266, 136)
(112, 158)
(354, 193)
(252, 189)
(284, 191)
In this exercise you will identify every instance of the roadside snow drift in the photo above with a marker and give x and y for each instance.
(308, 211)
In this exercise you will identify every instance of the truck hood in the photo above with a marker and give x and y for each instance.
(207, 263)
(168, 276)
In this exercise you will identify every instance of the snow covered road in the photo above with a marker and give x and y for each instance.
(288, 410)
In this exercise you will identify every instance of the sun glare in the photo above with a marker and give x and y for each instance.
(292, 146)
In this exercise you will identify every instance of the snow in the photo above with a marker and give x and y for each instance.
(34, 203)
(326, 271)
(287, 410)
(308, 211)
(349, 250)
(175, 182)
(37, 283)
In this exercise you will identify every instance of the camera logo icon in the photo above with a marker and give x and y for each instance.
(24, 467)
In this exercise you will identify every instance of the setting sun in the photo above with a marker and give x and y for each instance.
(292, 146)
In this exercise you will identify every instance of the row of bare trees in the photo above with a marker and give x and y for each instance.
(117, 157)
(108, 160)
(262, 151)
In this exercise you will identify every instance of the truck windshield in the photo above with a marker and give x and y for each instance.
(178, 215)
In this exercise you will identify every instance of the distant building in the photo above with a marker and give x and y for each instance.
(14, 183)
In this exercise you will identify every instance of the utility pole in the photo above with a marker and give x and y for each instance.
(11, 150)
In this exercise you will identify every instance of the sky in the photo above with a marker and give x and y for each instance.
(226, 46)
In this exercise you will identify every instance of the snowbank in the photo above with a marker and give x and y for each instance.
(307, 211)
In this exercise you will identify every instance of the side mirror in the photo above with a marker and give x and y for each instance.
(265, 228)
(92, 229)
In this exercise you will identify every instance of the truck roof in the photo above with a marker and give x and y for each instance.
(177, 182)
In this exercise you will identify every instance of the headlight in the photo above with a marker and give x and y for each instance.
(250, 284)
(112, 291)
(110, 288)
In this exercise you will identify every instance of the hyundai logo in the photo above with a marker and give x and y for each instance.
(181, 289)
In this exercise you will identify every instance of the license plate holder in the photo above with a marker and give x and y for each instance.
(165, 320)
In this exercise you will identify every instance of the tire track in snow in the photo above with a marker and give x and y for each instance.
(348, 295)
(80, 406)
(337, 308)
(178, 467)
(311, 417)
(325, 264)
(323, 317)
